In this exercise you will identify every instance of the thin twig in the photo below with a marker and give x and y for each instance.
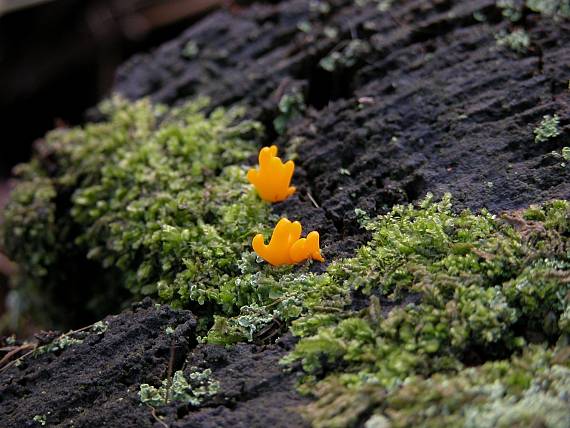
(353, 34)
(170, 367)
(7, 267)
(11, 363)
(14, 351)
(78, 330)
(327, 308)
(156, 418)
(312, 199)
(35, 346)
(276, 301)
(397, 21)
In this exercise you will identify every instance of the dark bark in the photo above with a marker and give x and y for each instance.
(434, 106)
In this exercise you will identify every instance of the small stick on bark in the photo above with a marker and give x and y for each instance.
(15, 350)
(312, 200)
(156, 418)
(170, 367)
(33, 346)
(11, 363)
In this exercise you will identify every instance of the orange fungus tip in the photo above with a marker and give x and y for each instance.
(273, 177)
(286, 245)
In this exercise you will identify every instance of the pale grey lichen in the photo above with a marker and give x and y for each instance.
(518, 41)
(70, 338)
(547, 128)
(554, 8)
(40, 419)
(345, 55)
(193, 391)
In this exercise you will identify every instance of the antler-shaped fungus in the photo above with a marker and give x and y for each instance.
(286, 245)
(273, 178)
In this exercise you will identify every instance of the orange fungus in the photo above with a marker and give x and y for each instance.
(273, 177)
(286, 245)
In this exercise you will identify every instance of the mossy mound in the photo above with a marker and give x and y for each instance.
(442, 319)
(154, 202)
(489, 336)
(151, 199)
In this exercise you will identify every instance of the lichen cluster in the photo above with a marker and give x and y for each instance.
(547, 128)
(513, 9)
(555, 8)
(277, 296)
(70, 338)
(345, 55)
(481, 290)
(199, 386)
(518, 41)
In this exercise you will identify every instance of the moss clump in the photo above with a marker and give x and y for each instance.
(30, 223)
(194, 390)
(155, 201)
(527, 390)
(488, 287)
(152, 199)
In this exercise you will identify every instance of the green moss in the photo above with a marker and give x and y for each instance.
(526, 390)
(547, 129)
(193, 391)
(291, 105)
(29, 222)
(275, 296)
(487, 289)
(155, 199)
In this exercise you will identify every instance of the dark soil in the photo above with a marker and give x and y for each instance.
(96, 383)
(442, 109)
(256, 390)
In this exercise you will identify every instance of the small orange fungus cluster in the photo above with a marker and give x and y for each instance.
(272, 182)
(286, 245)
